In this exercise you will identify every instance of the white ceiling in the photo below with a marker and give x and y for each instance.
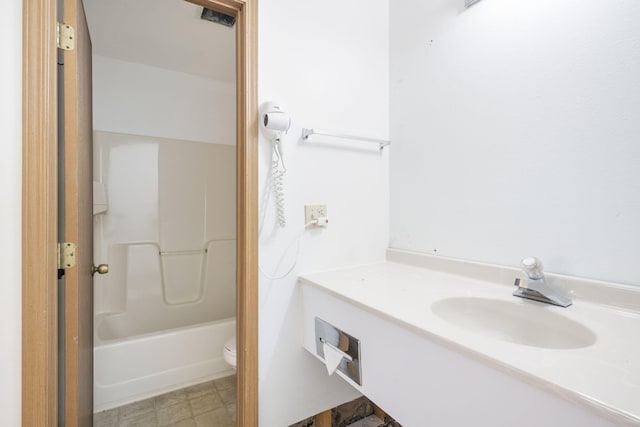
(163, 33)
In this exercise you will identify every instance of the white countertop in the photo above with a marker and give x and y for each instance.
(604, 376)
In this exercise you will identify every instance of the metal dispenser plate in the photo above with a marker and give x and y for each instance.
(327, 333)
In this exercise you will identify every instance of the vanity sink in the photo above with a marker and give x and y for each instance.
(520, 322)
(457, 320)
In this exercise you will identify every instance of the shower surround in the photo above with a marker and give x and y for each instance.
(169, 237)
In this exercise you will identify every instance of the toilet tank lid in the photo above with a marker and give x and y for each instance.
(230, 345)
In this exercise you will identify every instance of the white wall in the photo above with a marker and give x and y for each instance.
(10, 211)
(515, 130)
(144, 100)
(327, 62)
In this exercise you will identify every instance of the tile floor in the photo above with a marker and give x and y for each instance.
(210, 404)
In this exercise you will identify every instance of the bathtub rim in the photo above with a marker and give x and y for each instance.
(98, 342)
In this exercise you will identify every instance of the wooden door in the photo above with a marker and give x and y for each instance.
(78, 221)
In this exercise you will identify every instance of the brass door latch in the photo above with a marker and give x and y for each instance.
(100, 269)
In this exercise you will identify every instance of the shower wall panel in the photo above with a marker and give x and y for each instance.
(168, 234)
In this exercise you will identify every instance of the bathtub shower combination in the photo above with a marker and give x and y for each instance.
(167, 306)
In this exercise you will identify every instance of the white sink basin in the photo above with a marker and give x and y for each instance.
(519, 321)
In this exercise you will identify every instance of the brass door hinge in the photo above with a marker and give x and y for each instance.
(66, 255)
(65, 36)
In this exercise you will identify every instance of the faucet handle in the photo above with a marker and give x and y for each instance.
(533, 267)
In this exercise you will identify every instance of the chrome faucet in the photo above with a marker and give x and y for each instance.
(535, 287)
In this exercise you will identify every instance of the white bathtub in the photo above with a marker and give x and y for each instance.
(131, 369)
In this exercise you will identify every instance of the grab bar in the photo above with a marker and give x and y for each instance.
(188, 252)
(306, 133)
(194, 251)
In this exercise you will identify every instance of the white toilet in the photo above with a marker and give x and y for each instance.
(229, 352)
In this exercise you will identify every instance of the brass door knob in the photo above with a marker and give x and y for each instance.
(100, 269)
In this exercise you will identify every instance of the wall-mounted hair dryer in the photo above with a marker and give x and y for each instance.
(274, 123)
(274, 120)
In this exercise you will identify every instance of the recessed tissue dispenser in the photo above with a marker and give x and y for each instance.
(339, 350)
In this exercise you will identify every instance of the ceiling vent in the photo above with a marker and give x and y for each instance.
(218, 17)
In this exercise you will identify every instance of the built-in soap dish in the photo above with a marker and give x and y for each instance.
(347, 345)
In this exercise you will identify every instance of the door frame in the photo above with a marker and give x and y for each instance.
(40, 219)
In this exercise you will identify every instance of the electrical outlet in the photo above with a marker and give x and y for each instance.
(313, 212)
